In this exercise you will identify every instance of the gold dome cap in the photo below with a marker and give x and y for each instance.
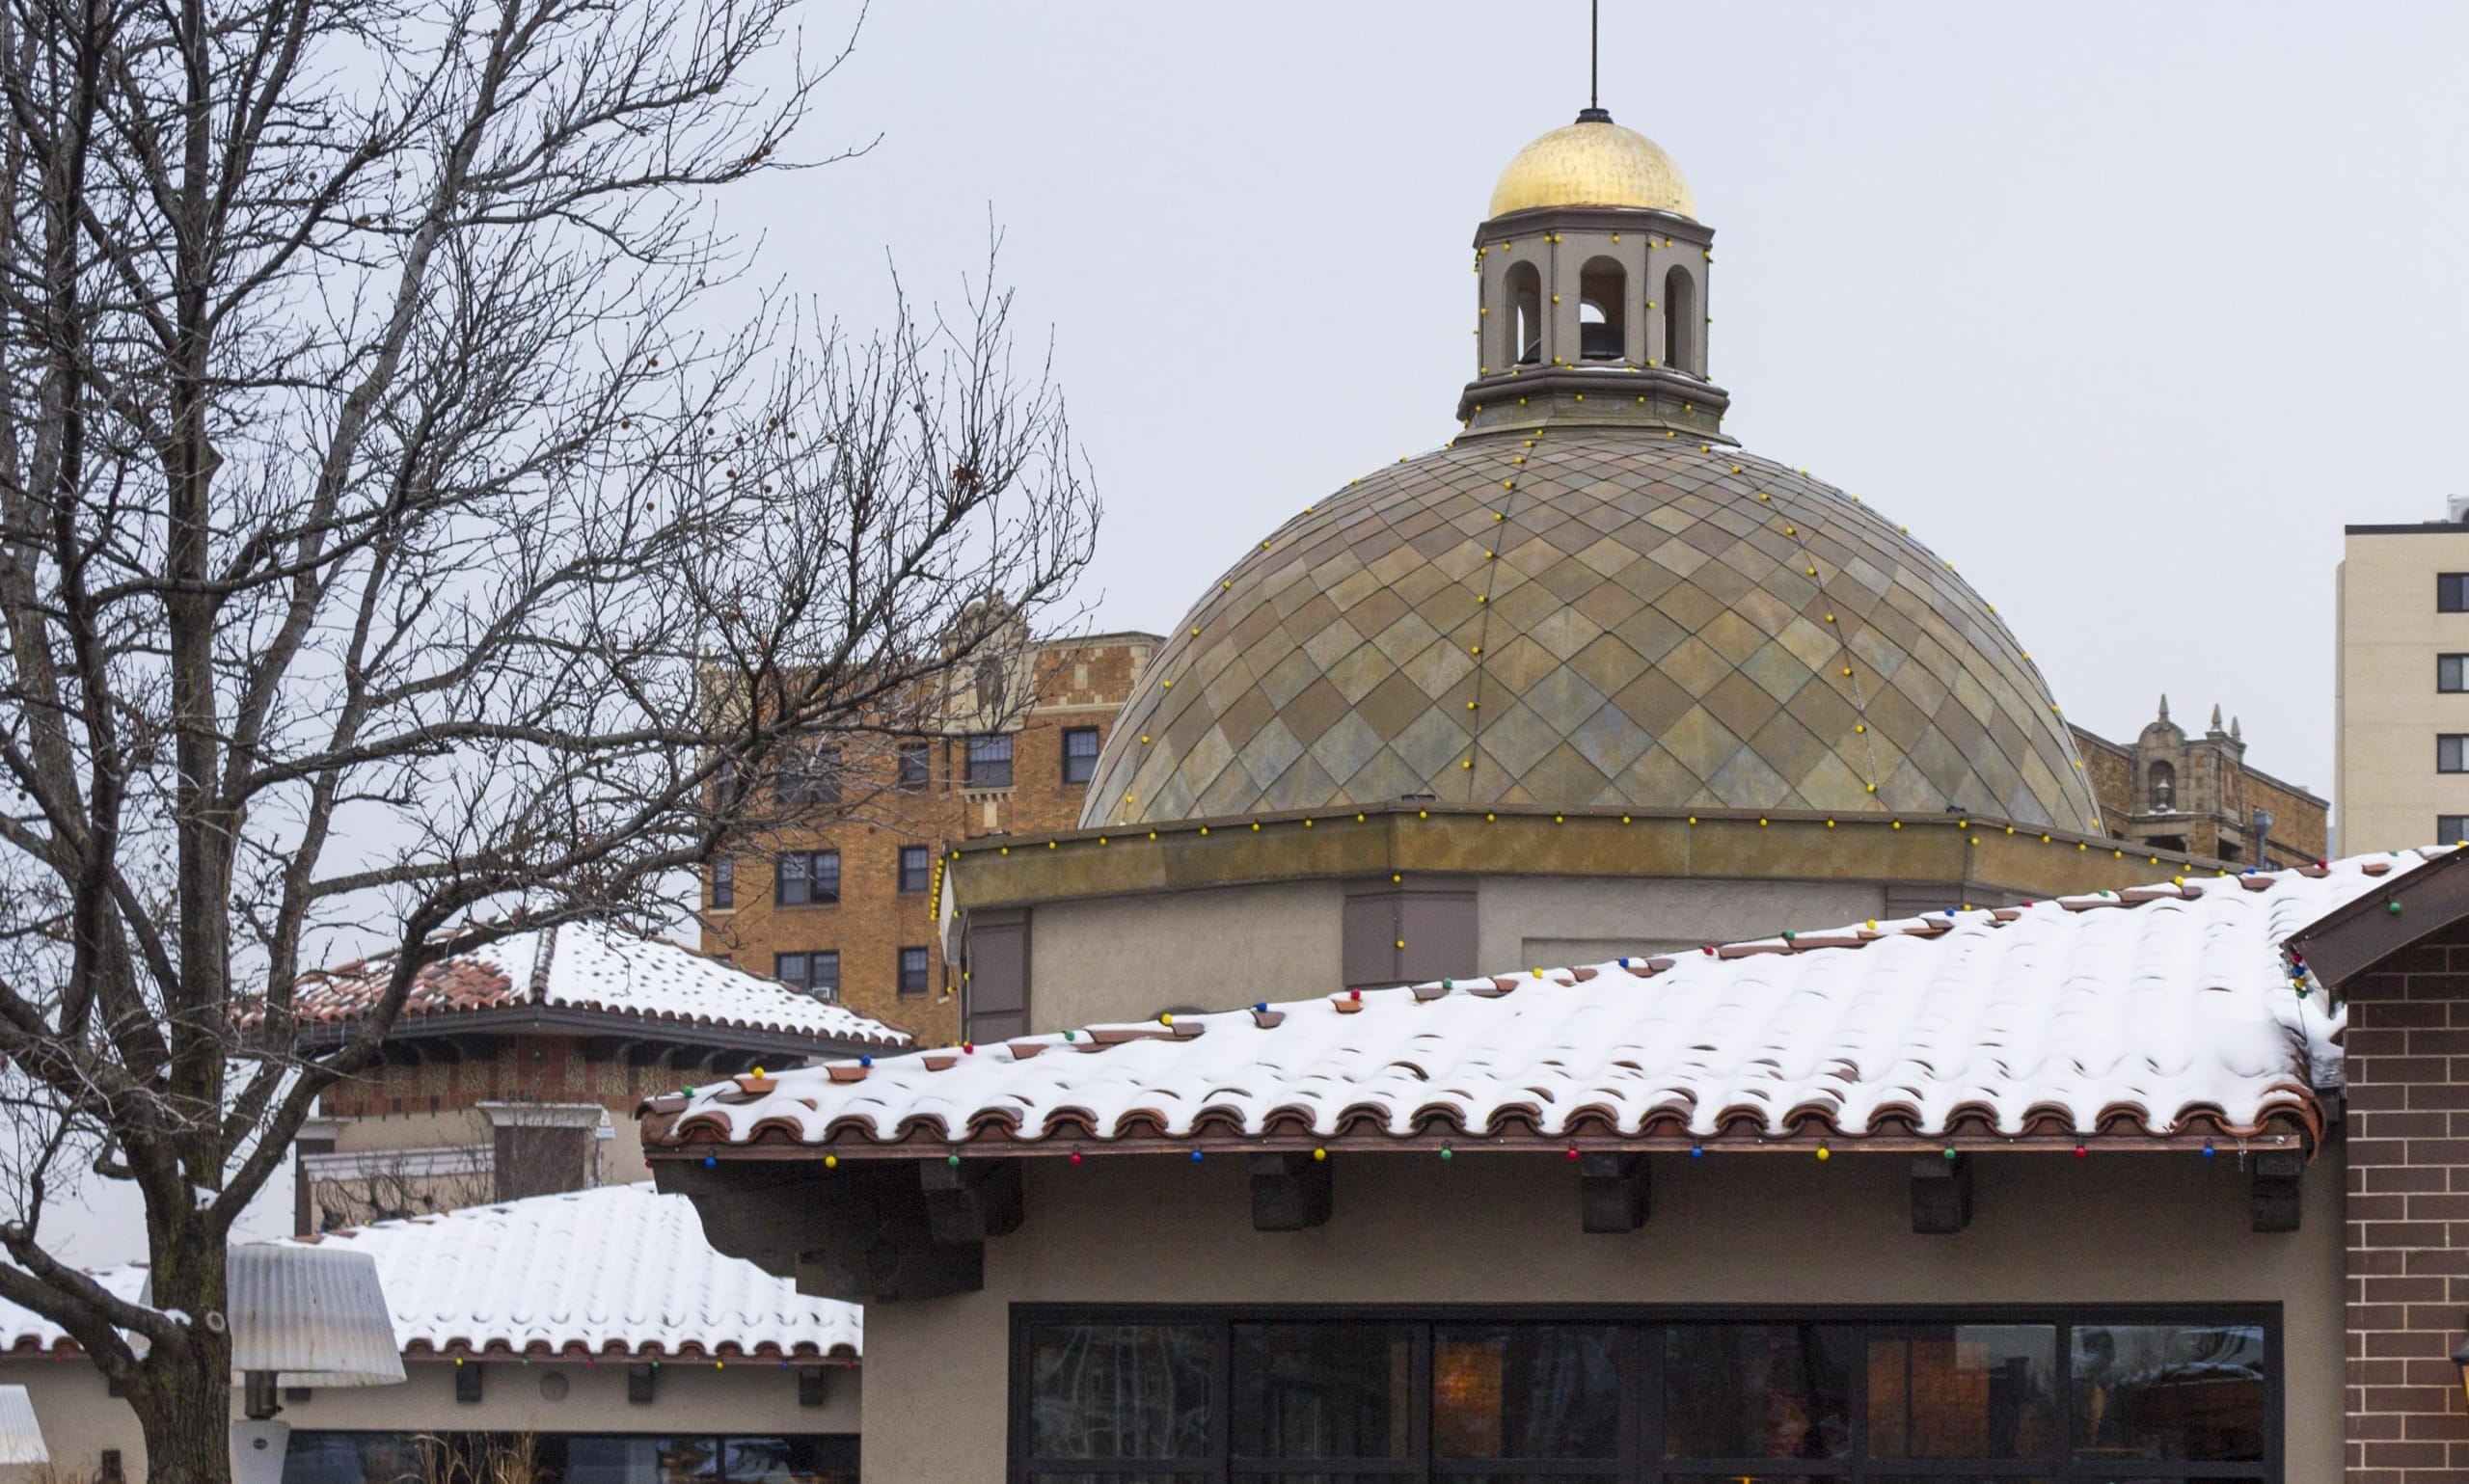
(1593, 162)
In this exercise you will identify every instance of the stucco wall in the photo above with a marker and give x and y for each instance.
(1098, 959)
(80, 1418)
(1737, 1228)
(2385, 789)
(1130, 958)
(1538, 922)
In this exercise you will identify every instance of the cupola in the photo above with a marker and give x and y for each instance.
(1593, 271)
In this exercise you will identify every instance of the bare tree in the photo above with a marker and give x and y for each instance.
(393, 553)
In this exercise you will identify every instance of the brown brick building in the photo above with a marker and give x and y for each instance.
(2198, 794)
(847, 910)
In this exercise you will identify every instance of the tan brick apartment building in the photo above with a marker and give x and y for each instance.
(847, 910)
(2401, 684)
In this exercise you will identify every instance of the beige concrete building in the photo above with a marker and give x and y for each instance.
(2401, 685)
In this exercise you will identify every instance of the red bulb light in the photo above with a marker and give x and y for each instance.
(2081, 1152)
(1573, 1151)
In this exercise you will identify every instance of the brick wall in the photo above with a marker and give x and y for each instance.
(2407, 1157)
(1077, 685)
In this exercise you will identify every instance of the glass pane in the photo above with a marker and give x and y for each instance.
(1771, 1478)
(1119, 1391)
(354, 1458)
(817, 1461)
(690, 1460)
(1117, 1478)
(2157, 1390)
(1321, 1391)
(1961, 1478)
(605, 1460)
(1526, 1390)
(1972, 1390)
(1759, 1391)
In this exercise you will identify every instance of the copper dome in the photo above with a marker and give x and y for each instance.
(1597, 616)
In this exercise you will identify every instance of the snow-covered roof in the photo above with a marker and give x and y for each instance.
(601, 968)
(2169, 1012)
(621, 1269)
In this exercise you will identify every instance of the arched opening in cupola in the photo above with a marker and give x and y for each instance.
(1682, 321)
(1525, 285)
(1603, 320)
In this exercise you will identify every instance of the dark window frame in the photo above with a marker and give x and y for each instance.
(900, 968)
(2453, 668)
(1642, 1391)
(2451, 828)
(2456, 745)
(813, 777)
(723, 882)
(1088, 773)
(810, 958)
(920, 777)
(809, 872)
(980, 770)
(925, 869)
(2451, 592)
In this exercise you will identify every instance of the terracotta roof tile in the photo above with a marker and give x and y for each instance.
(2169, 1012)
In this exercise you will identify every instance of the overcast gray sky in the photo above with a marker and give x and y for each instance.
(2125, 309)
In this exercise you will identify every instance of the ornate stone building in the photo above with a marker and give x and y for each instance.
(2199, 795)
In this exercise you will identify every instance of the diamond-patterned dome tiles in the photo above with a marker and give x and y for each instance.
(1591, 618)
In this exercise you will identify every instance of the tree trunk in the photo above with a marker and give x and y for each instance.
(182, 1398)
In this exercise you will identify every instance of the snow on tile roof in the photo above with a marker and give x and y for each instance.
(2161, 1011)
(621, 1269)
(598, 967)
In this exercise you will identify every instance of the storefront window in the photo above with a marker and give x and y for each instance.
(1322, 1390)
(565, 1458)
(1973, 1390)
(1121, 1390)
(1495, 1397)
(2169, 1391)
(1759, 1391)
(1526, 1390)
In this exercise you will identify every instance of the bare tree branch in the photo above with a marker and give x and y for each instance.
(397, 551)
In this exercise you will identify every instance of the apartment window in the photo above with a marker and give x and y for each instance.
(1847, 1397)
(816, 971)
(2451, 592)
(1079, 754)
(807, 878)
(915, 768)
(810, 778)
(912, 971)
(2452, 672)
(989, 760)
(2452, 753)
(2451, 828)
(912, 867)
(723, 882)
